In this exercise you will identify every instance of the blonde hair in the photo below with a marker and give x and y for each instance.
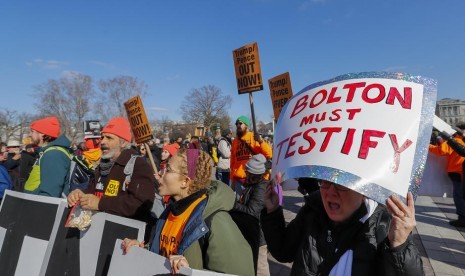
(203, 170)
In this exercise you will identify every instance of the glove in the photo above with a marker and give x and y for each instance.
(445, 135)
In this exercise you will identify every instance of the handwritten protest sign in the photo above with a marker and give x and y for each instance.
(367, 131)
(138, 120)
(248, 71)
(280, 92)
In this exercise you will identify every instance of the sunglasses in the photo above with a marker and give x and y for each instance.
(325, 185)
(238, 123)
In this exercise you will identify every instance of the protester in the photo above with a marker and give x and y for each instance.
(156, 151)
(5, 181)
(224, 155)
(251, 202)
(166, 154)
(12, 163)
(459, 148)
(50, 172)
(111, 191)
(243, 147)
(28, 157)
(181, 229)
(454, 171)
(341, 232)
(92, 151)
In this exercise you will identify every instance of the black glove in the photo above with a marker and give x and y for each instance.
(445, 135)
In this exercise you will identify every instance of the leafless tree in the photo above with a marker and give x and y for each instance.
(69, 99)
(205, 105)
(13, 125)
(116, 91)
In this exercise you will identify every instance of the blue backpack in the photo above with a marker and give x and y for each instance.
(5, 181)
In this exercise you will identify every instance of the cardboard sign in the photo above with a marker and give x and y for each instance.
(367, 131)
(280, 92)
(248, 71)
(139, 123)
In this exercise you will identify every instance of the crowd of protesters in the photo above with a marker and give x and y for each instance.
(209, 203)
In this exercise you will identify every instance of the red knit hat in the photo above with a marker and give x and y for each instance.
(48, 126)
(119, 126)
(171, 148)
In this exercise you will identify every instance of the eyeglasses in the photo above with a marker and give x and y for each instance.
(238, 123)
(167, 169)
(325, 185)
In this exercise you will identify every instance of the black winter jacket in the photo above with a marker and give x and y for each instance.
(311, 239)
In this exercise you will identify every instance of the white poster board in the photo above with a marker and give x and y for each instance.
(367, 131)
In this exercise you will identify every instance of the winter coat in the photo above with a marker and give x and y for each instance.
(227, 251)
(252, 202)
(454, 161)
(311, 240)
(54, 170)
(224, 155)
(136, 200)
(26, 162)
(240, 153)
(5, 181)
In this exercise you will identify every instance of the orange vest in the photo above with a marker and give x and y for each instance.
(171, 234)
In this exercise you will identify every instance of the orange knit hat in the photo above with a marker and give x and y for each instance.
(119, 126)
(171, 148)
(48, 126)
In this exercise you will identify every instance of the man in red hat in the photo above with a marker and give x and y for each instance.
(50, 172)
(111, 190)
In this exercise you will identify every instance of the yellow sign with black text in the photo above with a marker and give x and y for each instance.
(112, 188)
(280, 92)
(248, 71)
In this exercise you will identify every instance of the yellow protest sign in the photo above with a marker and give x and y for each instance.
(280, 92)
(248, 71)
(138, 120)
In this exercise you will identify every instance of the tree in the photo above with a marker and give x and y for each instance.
(116, 91)
(205, 105)
(14, 126)
(69, 99)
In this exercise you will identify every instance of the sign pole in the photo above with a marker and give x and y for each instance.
(149, 153)
(253, 113)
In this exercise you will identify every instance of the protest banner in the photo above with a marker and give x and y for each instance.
(89, 252)
(34, 241)
(366, 131)
(248, 71)
(28, 225)
(139, 261)
(280, 92)
(138, 120)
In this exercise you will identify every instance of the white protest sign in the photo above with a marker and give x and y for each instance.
(366, 131)
(139, 261)
(440, 125)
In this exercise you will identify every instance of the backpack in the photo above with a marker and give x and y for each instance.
(247, 224)
(80, 172)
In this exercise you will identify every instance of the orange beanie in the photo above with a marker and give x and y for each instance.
(171, 148)
(48, 126)
(119, 126)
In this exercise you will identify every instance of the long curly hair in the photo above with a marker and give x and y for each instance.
(203, 170)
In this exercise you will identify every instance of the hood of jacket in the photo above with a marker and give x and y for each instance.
(61, 141)
(220, 198)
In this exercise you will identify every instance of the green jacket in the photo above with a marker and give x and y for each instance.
(227, 251)
(50, 172)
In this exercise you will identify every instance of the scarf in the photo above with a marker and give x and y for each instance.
(344, 265)
(105, 166)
